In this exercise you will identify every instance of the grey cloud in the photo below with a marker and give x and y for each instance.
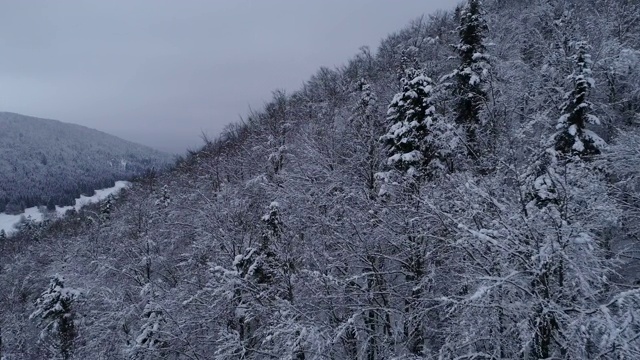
(159, 72)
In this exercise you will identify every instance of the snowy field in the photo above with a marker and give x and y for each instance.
(8, 222)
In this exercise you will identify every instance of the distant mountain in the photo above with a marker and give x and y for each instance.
(48, 162)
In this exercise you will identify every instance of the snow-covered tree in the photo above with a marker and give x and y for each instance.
(153, 334)
(257, 264)
(539, 278)
(55, 314)
(106, 207)
(365, 110)
(573, 137)
(164, 199)
(534, 259)
(416, 139)
(257, 294)
(470, 76)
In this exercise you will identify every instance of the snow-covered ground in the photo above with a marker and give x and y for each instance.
(8, 222)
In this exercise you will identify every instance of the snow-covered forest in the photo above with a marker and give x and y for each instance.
(47, 162)
(469, 190)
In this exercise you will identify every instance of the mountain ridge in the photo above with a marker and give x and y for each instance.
(60, 161)
(3, 115)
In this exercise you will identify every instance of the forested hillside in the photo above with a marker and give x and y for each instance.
(467, 191)
(48, 162)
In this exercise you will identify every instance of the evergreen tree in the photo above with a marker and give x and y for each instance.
(152, 338)
(261, 287)
(560, 193)
(164, 199)
(365, 109)
(55, 314)
(415, 139)
(544, 175)
(471, 74)
(417, 146)
(272, 268)
(3, 235)
(573, 137)
(106, 207)
(256, 264)
(541, 180)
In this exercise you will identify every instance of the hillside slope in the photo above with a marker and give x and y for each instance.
(48, 162)
(422, 202)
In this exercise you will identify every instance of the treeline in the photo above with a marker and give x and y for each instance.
(469, 191)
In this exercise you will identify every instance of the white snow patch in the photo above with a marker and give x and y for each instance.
(578, 145)
(573, 129)
(479, 293)
(583, 238)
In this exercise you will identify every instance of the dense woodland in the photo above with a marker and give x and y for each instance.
(467, 191)
(48, 162)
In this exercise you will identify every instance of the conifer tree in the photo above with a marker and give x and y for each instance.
(261, 284)
(562, 189)
(573, 137)
(256, 264)
(415, 137)
(55, 314)
(417, 146)
(471, 74)
(366, 106)
(152, 338)
(106, 207)
(165, 198)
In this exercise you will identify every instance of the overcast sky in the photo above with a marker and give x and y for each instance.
(159, 72)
